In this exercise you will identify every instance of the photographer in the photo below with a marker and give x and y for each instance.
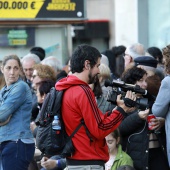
(79, 103)
(141, 144)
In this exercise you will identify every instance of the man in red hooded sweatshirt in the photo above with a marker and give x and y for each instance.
(79, 103)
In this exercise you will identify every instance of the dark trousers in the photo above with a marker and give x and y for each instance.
(16, 155)
(157, 160)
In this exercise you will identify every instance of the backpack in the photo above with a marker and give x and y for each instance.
(49, 141)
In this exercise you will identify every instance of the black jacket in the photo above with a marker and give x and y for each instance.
(135, 139)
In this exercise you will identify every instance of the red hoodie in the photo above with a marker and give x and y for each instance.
(79, 103)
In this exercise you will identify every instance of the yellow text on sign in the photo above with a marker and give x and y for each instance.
(18, 42)
(61, 5)
(20, 8)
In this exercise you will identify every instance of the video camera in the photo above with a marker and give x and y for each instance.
(119, 87)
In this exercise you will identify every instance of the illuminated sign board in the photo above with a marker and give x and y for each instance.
(42, 9)
(17, 37)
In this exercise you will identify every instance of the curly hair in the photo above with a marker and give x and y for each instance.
(166, 58)
(45, 72)
(81, 54)
(133, 74)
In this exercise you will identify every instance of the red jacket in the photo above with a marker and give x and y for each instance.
(79, 103)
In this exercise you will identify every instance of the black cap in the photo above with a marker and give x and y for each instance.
(146, 61)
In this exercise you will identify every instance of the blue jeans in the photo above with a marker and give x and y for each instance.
(16, 155)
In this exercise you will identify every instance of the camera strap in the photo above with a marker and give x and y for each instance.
(129, 103)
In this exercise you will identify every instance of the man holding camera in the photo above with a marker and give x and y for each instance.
(79, 103)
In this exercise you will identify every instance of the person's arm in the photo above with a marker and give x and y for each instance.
(34, 129)
(162, 103)
(61, 162)
(130, 124)
(98, 124)
(51, 163)
(14, 99)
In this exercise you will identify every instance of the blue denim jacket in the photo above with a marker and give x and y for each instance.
(15, 100)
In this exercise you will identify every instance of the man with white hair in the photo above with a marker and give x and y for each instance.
(53, 62)
(132, 52)
(28, 61)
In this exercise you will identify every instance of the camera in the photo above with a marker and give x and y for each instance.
(119, 87)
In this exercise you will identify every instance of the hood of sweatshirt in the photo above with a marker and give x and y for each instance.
(69, 81)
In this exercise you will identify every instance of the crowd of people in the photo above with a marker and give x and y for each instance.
(116, 118)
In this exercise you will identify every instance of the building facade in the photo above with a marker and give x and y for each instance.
(60, 25)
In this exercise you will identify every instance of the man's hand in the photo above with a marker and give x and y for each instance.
(48, 163)
(121, 103)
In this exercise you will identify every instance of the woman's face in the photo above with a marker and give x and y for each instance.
(35, 80)
(11, 71)
(142, 82)
(40, 98)
(111, 143)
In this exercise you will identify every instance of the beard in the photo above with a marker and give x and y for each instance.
(92, 79)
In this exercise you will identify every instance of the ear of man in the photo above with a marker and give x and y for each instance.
(87, 65)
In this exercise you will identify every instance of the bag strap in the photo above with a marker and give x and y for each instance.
(56, 101)
(76, 130)
(87, 131)
(78, 127)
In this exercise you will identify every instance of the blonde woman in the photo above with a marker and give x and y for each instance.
(105, 74)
